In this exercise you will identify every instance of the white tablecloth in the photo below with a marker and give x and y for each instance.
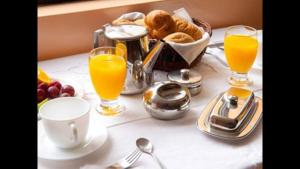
(179, 144)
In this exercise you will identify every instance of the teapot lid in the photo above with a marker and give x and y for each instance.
(125, 32)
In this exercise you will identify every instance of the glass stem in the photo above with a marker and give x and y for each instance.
(242, 77)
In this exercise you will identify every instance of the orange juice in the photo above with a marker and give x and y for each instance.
(240, 52)
(108, 74)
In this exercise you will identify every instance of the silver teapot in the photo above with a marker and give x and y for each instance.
(134, 41)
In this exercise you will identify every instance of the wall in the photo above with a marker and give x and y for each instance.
(71, 33)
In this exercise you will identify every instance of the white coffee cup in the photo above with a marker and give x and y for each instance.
(66, 121)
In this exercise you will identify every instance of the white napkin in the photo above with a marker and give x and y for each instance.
(132, 16)
(182, 13)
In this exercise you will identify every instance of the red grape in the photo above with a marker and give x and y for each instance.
(56, 84)
(65, 95)
(68, 89)
(53, 92)
(41, 95)
(43, 86)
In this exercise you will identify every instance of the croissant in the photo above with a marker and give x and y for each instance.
(188, 28)
(123, 22)
(159, 23)
(140, 22)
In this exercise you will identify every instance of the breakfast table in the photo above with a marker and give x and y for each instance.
(177, 143)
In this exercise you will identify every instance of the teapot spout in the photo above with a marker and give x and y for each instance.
(150, 61)
(152, 56)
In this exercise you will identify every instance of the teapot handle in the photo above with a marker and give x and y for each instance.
(96, 36)
(100, 33)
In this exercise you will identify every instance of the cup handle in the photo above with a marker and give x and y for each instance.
(74, 132)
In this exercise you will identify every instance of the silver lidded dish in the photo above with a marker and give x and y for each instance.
(188, 78)
(167, 100)
(232, 115)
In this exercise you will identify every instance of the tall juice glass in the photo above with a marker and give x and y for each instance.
(107, 67)
(240, 45)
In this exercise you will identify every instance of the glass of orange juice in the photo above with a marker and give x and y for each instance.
(240, 45)
(107, 66)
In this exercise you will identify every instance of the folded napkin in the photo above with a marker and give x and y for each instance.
(132, 16)
(182, 13)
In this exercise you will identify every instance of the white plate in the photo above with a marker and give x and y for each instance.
(96, 137)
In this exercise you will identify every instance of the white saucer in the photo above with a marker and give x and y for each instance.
(96, 137)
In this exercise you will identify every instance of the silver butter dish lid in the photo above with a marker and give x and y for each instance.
(232, 115)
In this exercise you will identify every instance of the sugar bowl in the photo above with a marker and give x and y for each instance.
(188, 78)
(167, 100)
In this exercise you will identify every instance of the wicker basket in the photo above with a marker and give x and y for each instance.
(169, 59)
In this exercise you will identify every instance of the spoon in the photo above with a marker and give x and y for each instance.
(146, 147)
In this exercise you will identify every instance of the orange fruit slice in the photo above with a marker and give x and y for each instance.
(121, 50)
(42, 76)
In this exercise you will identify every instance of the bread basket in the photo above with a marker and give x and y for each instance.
(169, 59)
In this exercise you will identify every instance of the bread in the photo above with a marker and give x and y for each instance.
(188, 28)
(129, 22)
(140, 22)
(159, 24)
(179, 37)
(123, 22)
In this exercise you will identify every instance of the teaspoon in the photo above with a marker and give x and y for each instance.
(145, 146)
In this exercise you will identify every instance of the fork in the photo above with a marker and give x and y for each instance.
(127, 161)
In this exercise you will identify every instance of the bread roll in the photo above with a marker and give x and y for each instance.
(123, 22)
(160, 24)
(179, 37)
(188, 28)
(140, 22)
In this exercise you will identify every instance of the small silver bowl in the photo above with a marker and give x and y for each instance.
(167, 100)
